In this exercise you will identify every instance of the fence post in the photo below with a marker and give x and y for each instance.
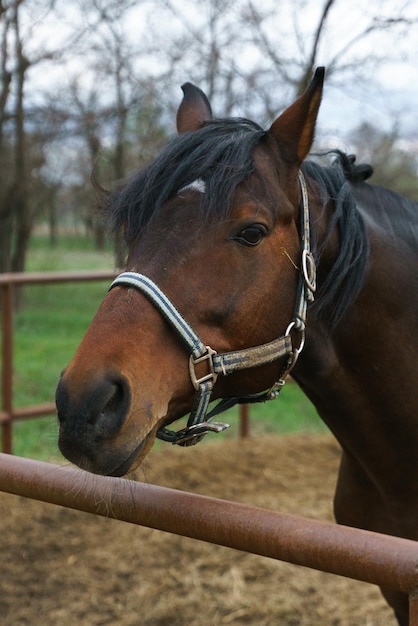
(244, 421)
(7, 370)
(413, 608)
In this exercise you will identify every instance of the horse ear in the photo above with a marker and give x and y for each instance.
(294, 129)
(194, 109)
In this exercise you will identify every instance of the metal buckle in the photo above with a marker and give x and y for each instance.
(193, 434)
(208, 356)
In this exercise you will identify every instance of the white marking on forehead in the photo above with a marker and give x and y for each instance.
(197, 185)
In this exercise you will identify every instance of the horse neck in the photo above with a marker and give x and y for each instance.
(356, 372)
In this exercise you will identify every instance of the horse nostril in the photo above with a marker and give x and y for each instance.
(115, 401)
(111, 403)
(109, 407)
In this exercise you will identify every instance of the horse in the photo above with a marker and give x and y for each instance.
(247, 260)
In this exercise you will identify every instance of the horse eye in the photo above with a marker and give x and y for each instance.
(251, 235)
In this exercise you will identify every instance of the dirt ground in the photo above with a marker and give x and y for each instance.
(63, 567)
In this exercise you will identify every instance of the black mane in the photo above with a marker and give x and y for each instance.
(348, 272)
(220, 153)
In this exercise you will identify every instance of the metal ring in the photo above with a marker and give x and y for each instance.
(289, 329)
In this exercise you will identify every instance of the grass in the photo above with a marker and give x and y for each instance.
(49, 327)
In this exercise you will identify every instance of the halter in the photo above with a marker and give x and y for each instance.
(199, 424)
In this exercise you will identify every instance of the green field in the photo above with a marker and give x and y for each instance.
(50, 325)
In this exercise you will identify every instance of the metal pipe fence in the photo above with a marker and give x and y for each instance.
(383, 560)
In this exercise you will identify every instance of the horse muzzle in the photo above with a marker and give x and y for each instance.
(91, 432)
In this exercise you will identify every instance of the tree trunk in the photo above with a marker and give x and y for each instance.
(6, 229)
(19, 196)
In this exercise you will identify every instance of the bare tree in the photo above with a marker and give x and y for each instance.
(207, 43)
(253, 57)
(112, 62)
(394, 160)
(16, 211)
(5, 145)
(5, 74)
(333, 33)
(19, 191)
(14, 192)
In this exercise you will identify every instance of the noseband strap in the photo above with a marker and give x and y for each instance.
(199, 423)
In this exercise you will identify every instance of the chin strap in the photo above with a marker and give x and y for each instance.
(199, 422)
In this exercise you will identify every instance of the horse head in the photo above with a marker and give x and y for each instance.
(214, 247)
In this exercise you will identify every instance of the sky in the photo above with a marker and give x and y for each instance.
(390, 95)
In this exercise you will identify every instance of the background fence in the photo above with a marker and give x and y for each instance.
(9, 282)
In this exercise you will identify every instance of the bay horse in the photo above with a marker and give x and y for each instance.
(245, 262)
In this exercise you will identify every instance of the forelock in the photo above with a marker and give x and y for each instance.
(212, 160)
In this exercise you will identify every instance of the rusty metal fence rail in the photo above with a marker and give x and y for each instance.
(383, 560)
(8, 283)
